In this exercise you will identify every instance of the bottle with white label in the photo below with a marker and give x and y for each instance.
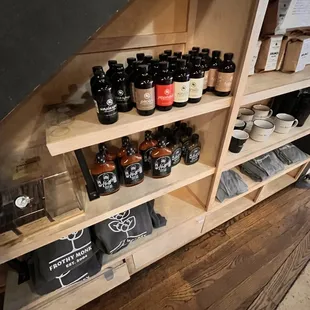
(181, 84)
(215, 62)
(196, 81)
(205, 66)
(104, 101)
(192, 152)
(161, 160)
(225, 76)
(144, 92)
(105, 175)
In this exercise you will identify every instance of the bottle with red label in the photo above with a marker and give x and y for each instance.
(196, 81)
(164, 88)
(181, 84)
(146, 148)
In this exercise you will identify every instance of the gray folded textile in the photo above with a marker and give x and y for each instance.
(157, 219)
(262, 167)
(231, 185)
(290, 154)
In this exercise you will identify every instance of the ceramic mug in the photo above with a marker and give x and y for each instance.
(246, 114)
(237, 141)
(240, 124)
(261, 111)
(261, 130)
(284, 122)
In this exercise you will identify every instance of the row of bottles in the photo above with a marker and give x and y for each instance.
(147, 83)
(157, 154)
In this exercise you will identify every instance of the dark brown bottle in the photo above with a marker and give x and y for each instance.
(111, 69)
(97, 71)
(164, 88)
(192, 152)
(168, 134)
(105, 175)
(206, 52)
(205, 67)
(196, 81)
(215, 62)
(172, 60)
(104, 100)
(161, 160)
(160, 132)
(176, 150)
(163, 57)
(185, 139)
(144, 92)
(140, 56)
(146, 147)
(147, 59)
(178, 54)
(181, 84)
(168, 52)
(120, 86)
(176, 127)
(130, 69)
(187, 57)
(153, 68)
(226, 71)
(132, 167)
(193, 54)
(109, 156)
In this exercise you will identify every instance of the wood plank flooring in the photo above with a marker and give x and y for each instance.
(249, 262)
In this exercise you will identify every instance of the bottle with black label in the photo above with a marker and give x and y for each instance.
(130, 69)
(104, 100)
(205, 67)
(176, 150)
(120, 84)
(161, 160)
(164, 88)
(225, 76)
(172, 60)
(178, 54)
(215, 61)
(105, 175)
(146, 148)
(111, 70)
(140, 56)
(132, 79)
(196, 81)
(196, 48)
(168, 52)
(163, 57)
(144, 92)
(181, 84)
(97, 71)
(192, 151)
(153, 68)
(185, 139)
(132, 167)
(147, 59)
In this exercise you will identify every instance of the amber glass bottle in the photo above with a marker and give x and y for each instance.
(146, 147)
(176, 150)
(122, 150)
(192, 151)
(161, 160)
(225, 76)
(109, 156)
(132, 167)
(215, 62)
(105, 175)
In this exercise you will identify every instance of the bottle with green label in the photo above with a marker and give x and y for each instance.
(192, 151)
(196, 81)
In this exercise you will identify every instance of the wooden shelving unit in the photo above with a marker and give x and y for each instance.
(187, 197)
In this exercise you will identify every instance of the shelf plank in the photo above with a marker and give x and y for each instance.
(104, 207)
(270, 84)
(173, 206)
(253, 149)
(64, 134)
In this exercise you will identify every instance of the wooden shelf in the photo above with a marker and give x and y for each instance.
(178, 207)
(100, 209)
(252, 185)
(84, 129)
(270, 84)
(253, 149)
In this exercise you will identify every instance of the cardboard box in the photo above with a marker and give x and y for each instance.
(268, 54)
(254, 58)
(297, 54)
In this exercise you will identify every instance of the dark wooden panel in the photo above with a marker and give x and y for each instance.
(37, 36)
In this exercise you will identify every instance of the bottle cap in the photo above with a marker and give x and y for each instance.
(228, 56)
(216, 54)
(140, 56)
(102, 148)
(130, 150)
(112, 62)
(130, 60)
(148, 134)
(206, 50)
(125, 141)
(143, 68)
(178, 54)
(147, 58)
(100, 158)
(163, 65)
(197, 60)
(97, 70)
(119, 67)
(163, 57)
(196, 48)
(195, 137)
(168, 52)
(162, 141)
(172, 58)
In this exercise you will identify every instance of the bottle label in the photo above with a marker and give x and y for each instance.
(224, 81)
(181, 91)
(164, 95)
(176, 156)
(161, 166)
(193, 156)
(146, 157)
(132, 92)
(196, 88)
(122, 96)
(212, 77)
(205, 79)
(105, 104)
(107, 182)
(133, 173)
(145, 98)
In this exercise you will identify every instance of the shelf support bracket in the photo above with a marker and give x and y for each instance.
(91, 187)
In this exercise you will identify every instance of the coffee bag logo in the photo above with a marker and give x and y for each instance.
(107, 180)
(163, 163)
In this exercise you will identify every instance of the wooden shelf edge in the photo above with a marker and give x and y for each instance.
(129, 123)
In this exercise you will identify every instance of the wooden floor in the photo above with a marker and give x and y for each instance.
(249, 262)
